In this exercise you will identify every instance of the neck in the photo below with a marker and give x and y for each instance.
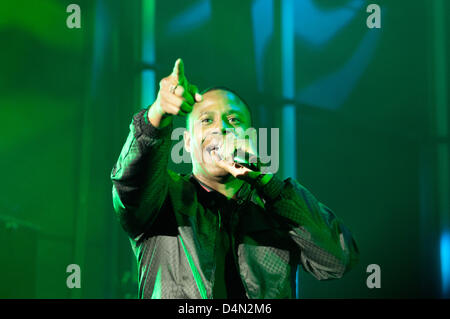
(226, 185)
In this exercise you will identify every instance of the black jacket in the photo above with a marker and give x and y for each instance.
(173, 226)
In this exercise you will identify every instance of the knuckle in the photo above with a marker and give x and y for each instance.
(188, 97)
(163, 82)
(187, 106)
(165, 108)
(179, 103)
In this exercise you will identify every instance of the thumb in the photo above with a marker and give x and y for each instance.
(195, 93)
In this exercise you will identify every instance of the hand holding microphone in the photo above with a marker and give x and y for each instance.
(246, 159)
(239, 160)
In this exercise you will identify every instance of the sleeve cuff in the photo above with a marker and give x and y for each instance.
(272, 189)
(146, 127)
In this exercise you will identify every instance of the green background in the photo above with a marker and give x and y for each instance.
(67, 97)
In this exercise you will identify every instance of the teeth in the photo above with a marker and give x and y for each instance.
(210, 148)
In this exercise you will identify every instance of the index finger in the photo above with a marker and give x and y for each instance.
(178, 69)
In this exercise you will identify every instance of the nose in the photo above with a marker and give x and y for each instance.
(222, 128)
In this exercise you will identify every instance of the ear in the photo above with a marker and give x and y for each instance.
(187, 140)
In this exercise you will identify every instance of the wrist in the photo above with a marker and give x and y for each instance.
(270, 187)
(258, 179)
(157, 117)
(262, 180)
(265, 179)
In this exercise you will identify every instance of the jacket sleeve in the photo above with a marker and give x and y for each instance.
(139, 177)
(327, 248)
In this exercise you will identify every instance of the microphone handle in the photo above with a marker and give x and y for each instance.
(246, 159)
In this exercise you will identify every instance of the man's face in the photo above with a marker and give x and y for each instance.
(219, 113)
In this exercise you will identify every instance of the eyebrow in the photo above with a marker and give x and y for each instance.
(229, 112)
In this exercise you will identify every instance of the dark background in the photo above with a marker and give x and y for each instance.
(368, 137)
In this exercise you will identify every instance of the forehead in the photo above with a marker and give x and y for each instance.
(219, 101)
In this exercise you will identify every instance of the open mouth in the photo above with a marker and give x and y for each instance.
(212, 147)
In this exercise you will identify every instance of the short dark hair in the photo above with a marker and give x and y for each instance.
(226, 89)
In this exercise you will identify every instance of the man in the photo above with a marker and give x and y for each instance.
(224, 231)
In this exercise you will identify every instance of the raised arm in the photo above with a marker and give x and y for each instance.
(139, 177)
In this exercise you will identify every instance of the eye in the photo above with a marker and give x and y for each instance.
(206, 121)
(234, 120)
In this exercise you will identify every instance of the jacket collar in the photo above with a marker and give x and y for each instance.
(254, 219)
(242, 194)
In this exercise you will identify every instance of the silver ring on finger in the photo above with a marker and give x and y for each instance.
(173, 88)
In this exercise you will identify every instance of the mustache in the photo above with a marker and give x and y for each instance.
(212, 147)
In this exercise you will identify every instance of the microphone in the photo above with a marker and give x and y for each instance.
(240, 156)
(246, 159)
